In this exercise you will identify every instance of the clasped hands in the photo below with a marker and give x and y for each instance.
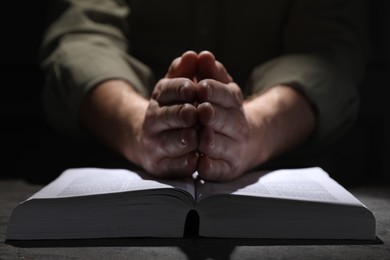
(195, 122)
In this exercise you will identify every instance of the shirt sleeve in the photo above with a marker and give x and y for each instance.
(84, 45)
(324, 57)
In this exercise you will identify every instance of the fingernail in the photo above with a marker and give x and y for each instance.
(185, 162)
(208, 89)
(182, 91)
(212, 138)
(182, 138)
(211, 166)
(209, 92)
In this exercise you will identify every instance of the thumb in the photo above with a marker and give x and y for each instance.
(184, 66)
(209, 68)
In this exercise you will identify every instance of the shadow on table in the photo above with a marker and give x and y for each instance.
(189, 244)
(194, 248)
(179, 242)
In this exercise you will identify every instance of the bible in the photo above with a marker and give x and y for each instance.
(85, 203)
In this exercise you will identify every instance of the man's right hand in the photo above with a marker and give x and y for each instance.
(158, 134)
(168, 138)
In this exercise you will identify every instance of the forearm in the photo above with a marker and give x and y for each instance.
(327, 67)
(78, 52)
(280, 119)
(113, 112)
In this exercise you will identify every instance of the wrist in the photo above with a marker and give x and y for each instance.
(281, 118)
(113, 112)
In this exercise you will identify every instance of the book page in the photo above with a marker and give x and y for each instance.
(91, 181)
(309, 184)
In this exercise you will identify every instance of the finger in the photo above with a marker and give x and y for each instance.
(176, 143)
(224, 95)
(217, 146)
(210, 68)
(214, 170)
(184, 66)
(183, 166)
(213, 144)
(164, 118)
(206, 113)
(178, 90)
(226, 121)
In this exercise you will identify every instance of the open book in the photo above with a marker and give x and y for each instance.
(103, 203)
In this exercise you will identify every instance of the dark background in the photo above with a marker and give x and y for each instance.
(31, 150)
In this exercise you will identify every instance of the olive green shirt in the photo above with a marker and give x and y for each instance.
(317, 47)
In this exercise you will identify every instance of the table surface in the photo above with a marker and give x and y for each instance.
(377, 198)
